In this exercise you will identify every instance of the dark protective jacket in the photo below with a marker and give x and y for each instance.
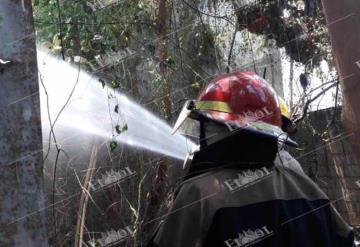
(235, 196)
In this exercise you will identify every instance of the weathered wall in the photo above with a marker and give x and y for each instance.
(331, 163)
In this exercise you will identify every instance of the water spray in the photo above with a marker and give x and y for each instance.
(91, 110)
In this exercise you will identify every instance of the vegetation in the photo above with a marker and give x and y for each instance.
(161, 52)
(298, 26)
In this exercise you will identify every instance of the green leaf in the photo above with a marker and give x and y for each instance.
(195, 85)
(124, 128)
(169, 62)
(113, 145)
(115, 84)
(118, 130)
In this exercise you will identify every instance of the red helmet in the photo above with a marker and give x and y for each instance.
(240, 97)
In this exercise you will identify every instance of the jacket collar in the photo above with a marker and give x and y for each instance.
(241, 149)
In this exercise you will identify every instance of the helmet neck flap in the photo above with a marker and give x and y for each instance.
(242, 148)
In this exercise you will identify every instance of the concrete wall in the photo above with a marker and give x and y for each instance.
(330, 161)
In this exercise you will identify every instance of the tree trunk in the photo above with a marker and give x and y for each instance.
(22, 220)
(156, 196)
(343, 21)
(162, 57)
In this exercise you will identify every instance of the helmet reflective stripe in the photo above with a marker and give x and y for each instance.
(284, 108)
(238, 93)
(208, 105)
(287, 124)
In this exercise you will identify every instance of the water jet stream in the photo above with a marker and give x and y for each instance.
(91, 110)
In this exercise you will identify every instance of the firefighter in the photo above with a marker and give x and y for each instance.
(233, 194)
(283, 158)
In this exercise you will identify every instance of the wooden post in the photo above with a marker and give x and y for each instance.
(22, 218)
(343, 21)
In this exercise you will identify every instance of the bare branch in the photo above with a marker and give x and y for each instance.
(308, 102)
